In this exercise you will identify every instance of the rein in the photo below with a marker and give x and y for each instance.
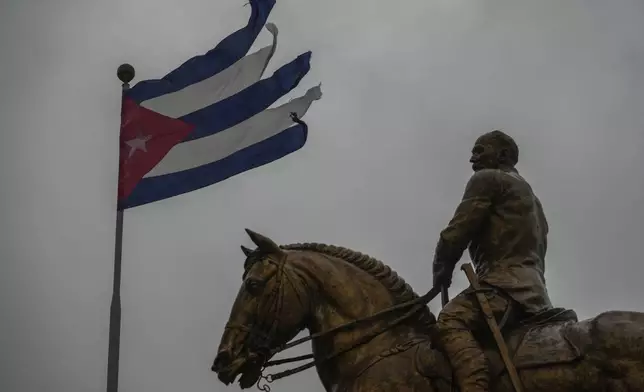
(416, 304)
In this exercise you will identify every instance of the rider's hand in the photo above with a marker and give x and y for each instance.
(442, 274)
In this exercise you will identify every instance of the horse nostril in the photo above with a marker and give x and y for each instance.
(221, 360)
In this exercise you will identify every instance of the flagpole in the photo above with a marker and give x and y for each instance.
(125, 74)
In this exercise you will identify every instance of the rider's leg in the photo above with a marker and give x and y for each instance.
(455, 323)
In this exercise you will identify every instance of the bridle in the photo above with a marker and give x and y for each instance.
(259, 340)
(257, 337)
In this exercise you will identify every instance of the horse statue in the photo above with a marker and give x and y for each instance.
(371, 332)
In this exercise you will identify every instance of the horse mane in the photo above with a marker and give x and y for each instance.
(400, 290)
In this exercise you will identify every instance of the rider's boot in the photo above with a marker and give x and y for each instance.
(467, 359)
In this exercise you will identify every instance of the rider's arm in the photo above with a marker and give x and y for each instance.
(480, 192)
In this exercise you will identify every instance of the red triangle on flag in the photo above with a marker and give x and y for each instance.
(146, 137)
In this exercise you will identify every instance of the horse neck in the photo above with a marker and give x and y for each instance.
(346, 293)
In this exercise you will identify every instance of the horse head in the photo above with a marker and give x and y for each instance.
(269, 311)
(324, 289)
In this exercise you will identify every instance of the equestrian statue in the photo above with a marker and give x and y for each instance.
(370, 332)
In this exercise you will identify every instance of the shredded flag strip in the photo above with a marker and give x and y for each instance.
(211, 118)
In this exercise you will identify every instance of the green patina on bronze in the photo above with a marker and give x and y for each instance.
(369, 331)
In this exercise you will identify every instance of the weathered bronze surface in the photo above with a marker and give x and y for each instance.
(502, 222)
(319, 287)
(371, 332)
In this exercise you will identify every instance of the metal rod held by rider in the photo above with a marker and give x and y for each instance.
(494, 327)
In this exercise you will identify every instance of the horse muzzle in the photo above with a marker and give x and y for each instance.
(229, 367)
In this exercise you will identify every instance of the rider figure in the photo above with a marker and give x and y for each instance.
(502, 222)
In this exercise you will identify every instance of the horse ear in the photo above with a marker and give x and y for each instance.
(247, 251)
(264, 243)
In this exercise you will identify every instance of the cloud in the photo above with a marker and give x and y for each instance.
(407, 89)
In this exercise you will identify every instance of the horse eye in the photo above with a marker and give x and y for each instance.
(254, 286)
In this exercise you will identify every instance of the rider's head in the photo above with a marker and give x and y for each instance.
(494, 150)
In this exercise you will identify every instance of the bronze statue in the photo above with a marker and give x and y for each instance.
(502, 222)
(371, 332)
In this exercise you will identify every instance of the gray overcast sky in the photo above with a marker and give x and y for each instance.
(406, 91)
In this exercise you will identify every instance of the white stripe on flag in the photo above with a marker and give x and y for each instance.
(226, 83)
(195, 153)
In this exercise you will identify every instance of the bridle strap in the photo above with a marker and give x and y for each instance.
(365, 339)
(424, 300)
(416, 303)
(277, 302)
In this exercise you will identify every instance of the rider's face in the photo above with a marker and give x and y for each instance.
(484, 156)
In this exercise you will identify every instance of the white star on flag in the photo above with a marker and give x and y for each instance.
(138, 144)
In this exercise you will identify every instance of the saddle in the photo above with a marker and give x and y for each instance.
(547, 338)
(542, 339)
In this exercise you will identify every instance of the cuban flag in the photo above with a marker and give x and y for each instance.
(209, 119)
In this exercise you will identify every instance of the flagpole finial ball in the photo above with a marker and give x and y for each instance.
(125, 73)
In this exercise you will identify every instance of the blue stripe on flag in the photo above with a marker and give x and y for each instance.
(225, 54)
(248, 102)
(152, 189)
